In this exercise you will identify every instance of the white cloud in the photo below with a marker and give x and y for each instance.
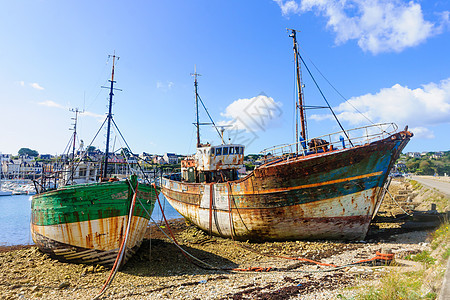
(50, 103)
(377, 25)
(422, 133)
(419, 108)
(36, 86)
(164, 85)
(21, 83)
(252, 115)
(100, 118)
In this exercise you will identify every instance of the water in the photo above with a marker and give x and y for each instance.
(15, 214)
(15, 220)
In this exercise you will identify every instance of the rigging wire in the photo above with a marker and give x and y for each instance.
(344, 98)
(295, 113)
(323, 96)
(212, 121)
(85, 153)
(96, 83)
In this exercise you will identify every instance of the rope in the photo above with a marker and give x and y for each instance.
(184, 252)
(397, 203)
(379, 256)
(191, 258)
(323, 96)
(122, 249)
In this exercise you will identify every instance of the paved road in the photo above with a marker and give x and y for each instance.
(443, 185)
(440, 184)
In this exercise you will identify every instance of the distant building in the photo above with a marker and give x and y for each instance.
(5, 157)
(116, 159)
(18, 168)
(146, 156)
(170, 158)
(414, 154)
(400, 167)
(437, 155)
(45, 156)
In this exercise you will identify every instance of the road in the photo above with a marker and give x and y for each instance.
(441, 184)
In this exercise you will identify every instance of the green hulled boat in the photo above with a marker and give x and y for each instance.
(88, 223)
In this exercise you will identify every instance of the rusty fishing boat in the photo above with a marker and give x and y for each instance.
(90, 222)
(328, 187)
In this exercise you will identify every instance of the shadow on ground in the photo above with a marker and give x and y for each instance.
(158, 257)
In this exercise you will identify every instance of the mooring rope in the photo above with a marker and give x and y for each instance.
(397, 202)
(123, 246)
(379, 256)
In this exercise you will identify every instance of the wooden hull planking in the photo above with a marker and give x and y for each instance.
(87, 223)
(83, 243)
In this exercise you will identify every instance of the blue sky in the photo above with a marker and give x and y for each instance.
(389, 59)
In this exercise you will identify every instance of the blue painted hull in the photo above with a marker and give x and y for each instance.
(331, 195)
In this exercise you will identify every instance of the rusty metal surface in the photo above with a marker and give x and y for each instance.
(70, 253)
(207, 158)
(328, 195)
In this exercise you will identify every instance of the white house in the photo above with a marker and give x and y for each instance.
(170, 158)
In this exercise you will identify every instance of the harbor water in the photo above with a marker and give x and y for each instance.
(15, 214)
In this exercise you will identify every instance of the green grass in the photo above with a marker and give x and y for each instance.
(396, 285)
(446, 254)
(415, 185)
(441, 236)
(424, 257)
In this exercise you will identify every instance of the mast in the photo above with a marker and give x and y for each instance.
(300, 106)
(111, 94)
(197, 123)
(76, 111)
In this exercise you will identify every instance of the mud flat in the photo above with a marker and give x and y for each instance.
(160, 271)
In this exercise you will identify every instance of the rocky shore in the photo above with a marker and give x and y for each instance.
(228, 269)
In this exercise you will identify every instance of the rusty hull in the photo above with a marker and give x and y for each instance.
(331, 195)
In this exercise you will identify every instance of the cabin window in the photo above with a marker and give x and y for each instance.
(218, 151)
(225, 151)
(236, 150)
(231, 150)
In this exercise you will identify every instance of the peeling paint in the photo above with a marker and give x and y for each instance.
(330, 195)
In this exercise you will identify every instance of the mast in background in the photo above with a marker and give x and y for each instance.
(111, 94)
(197, 124)
(76, 111)
(300, 105)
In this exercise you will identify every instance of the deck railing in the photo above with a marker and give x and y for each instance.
(331, 142)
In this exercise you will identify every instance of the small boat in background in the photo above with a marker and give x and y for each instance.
(2, 192)
(323, 188)
(5, 193)
(89, 223)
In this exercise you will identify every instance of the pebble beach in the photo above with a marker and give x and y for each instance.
(220, 268)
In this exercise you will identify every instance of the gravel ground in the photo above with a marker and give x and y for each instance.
(160, 271)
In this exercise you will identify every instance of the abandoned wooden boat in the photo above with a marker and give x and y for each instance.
(88, 223)
(324, 188)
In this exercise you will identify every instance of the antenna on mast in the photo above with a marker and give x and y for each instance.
(76, 111)
(109, 117)
(197, 123)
